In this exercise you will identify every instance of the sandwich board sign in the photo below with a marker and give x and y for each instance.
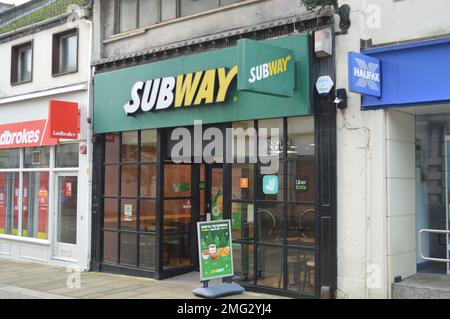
(216, 259)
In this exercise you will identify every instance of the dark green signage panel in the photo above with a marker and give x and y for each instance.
(204, 87)
(265, 68)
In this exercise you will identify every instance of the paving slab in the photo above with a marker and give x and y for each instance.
(24, 280)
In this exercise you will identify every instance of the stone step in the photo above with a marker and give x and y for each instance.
(422, 286)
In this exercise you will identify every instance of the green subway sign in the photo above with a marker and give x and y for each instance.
(266, 68)
(254, 80)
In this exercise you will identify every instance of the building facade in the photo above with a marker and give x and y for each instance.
(45, 143)
(392, 148)
(161, 67)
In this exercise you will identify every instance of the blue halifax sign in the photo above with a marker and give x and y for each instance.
(364, 73)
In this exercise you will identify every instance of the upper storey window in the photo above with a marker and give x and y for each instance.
(132, 14)
(22, 63)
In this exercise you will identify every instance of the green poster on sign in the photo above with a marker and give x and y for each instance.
(215, 249)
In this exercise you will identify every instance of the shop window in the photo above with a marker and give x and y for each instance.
(130, 146)
(301, 180)
(112, 180)
(65, 52)
(177, 180)
(37, 157)
(301, 225)
(148, 215)
(244, 141)
(112, 146)
(128, 249)
(10, 158)
(128, 214)
(243, 262)
(147, 246)
(22, 63)
(269, 270)
(129, 198)
(129, 179)
(111, 213)
(9, 203)
(270, 137)
(111, 247)
(275, 212)
(148, 180)
(243, 221)
(301, 137)
(148, 146)
(271, 187)
(269, 223)
(67, 155)
(35, 205)
(301, 270)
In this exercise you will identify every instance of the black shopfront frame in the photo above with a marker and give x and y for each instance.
(161, 273)
(324, 111)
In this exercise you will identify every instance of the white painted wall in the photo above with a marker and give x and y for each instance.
(42, 61)
(375, 160)
(19, 103)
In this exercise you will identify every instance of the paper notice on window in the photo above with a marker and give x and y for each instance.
(128, 213)
(250, 213)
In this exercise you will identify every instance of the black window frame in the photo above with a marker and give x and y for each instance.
(56, 52)
(15, 50)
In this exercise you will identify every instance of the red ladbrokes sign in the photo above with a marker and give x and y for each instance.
(25, 134)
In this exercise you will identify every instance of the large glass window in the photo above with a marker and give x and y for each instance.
(273, 213)
(129, 198)
(67, 155)
(35, 205)
(37, 157)
(25, 189)
(9, 200)
(10, 158)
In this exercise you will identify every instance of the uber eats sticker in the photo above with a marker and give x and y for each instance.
(301, 185)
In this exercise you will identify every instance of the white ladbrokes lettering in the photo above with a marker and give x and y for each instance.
(19, 137)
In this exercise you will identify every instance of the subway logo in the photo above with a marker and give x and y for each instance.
(191, 89)
(269, 69)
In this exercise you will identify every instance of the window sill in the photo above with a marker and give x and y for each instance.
(21, 82)
(142, 30)
(64, 73)
(44, 242)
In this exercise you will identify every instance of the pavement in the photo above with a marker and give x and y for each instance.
(23, 280)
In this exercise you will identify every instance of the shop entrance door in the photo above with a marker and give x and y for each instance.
(447, 196)
(66, 216)
(214, 192)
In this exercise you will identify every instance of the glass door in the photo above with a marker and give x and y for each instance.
(179, 224)
(66, 216)
(214, 192)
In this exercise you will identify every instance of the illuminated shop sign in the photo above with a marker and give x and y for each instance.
(192, 89)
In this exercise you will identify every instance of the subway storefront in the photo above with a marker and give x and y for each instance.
(234, 134)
